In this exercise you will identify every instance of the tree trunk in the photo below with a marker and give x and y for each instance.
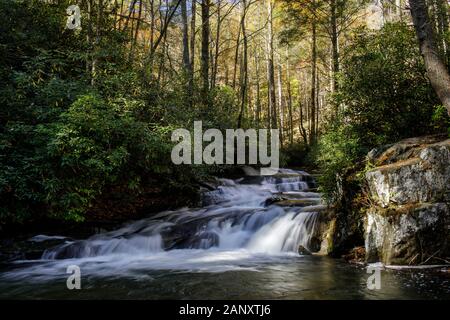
(301, 127)
(205, 51)
(236, 56)
(192, 45)
(258, 90)
(280, 101)
(161, 69)
(318, 105)
(186, 53)
(116, 5)
(312, 116)
(163, 33)
(152, 22)
(217, 44)
(270, 67)
(289, 99)
(436, 69)
(300, 105)
(89, 36)
(136, 33)
(244, 73)
(121, 10)
(443, 17)
(334, 45)
(186, 58)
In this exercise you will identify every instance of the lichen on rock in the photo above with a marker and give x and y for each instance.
(409, 220)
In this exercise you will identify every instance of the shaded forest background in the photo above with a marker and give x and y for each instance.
(86, 114)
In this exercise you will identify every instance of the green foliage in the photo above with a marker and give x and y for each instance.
(441, 119)
(226, 108)
(295, 155)
(96, 144)
(384, 91)
(384, 96)
(66, 140)
(338, 149)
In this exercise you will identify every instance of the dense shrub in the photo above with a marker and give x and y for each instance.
(66, 140)
(384, 91)
(384, 95)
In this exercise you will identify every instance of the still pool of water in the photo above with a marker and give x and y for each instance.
(283, 277)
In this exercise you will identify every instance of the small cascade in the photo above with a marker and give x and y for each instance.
(238, 217)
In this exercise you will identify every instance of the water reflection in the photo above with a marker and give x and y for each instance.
(308, 277)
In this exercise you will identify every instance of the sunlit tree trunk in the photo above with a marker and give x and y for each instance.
(280, 102)
(164, 25)
(217, 44)
(258, 89)
(120, 11)
(244, 73)
(136, 33)
(236, 56)
(436, 70)
(289, 99)
(270, 66)
(334, 43)
(318, 105)
(313, 84)
(186, 58)
(301, 114)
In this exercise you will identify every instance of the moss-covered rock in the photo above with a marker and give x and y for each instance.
(408, 221)
(418, 234)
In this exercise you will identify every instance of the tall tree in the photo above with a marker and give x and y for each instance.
(136, 33)
(334, 43)
(270, 67)
(312, 116)
(165, 20)
(244, 73)
(436, 70)
(186, 53)
(205, 50)
(258, 88)
(192, 41)
(289, 98)
(215, 65)
(280, 100)
(236, 56)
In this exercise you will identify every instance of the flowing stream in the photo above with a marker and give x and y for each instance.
(243, 243)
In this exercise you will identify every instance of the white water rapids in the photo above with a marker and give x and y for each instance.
(242, 225)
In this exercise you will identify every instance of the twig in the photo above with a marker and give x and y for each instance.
(431, 256)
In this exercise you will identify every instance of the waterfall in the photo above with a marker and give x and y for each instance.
(244, 214)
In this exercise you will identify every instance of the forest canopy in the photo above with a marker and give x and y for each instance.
(88, 111)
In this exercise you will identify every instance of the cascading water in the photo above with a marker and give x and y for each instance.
(242, 244)
(237, 218)
(242, 222)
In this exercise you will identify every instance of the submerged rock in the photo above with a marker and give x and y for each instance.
(303, 251)
(409, 219)
(272, 200)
